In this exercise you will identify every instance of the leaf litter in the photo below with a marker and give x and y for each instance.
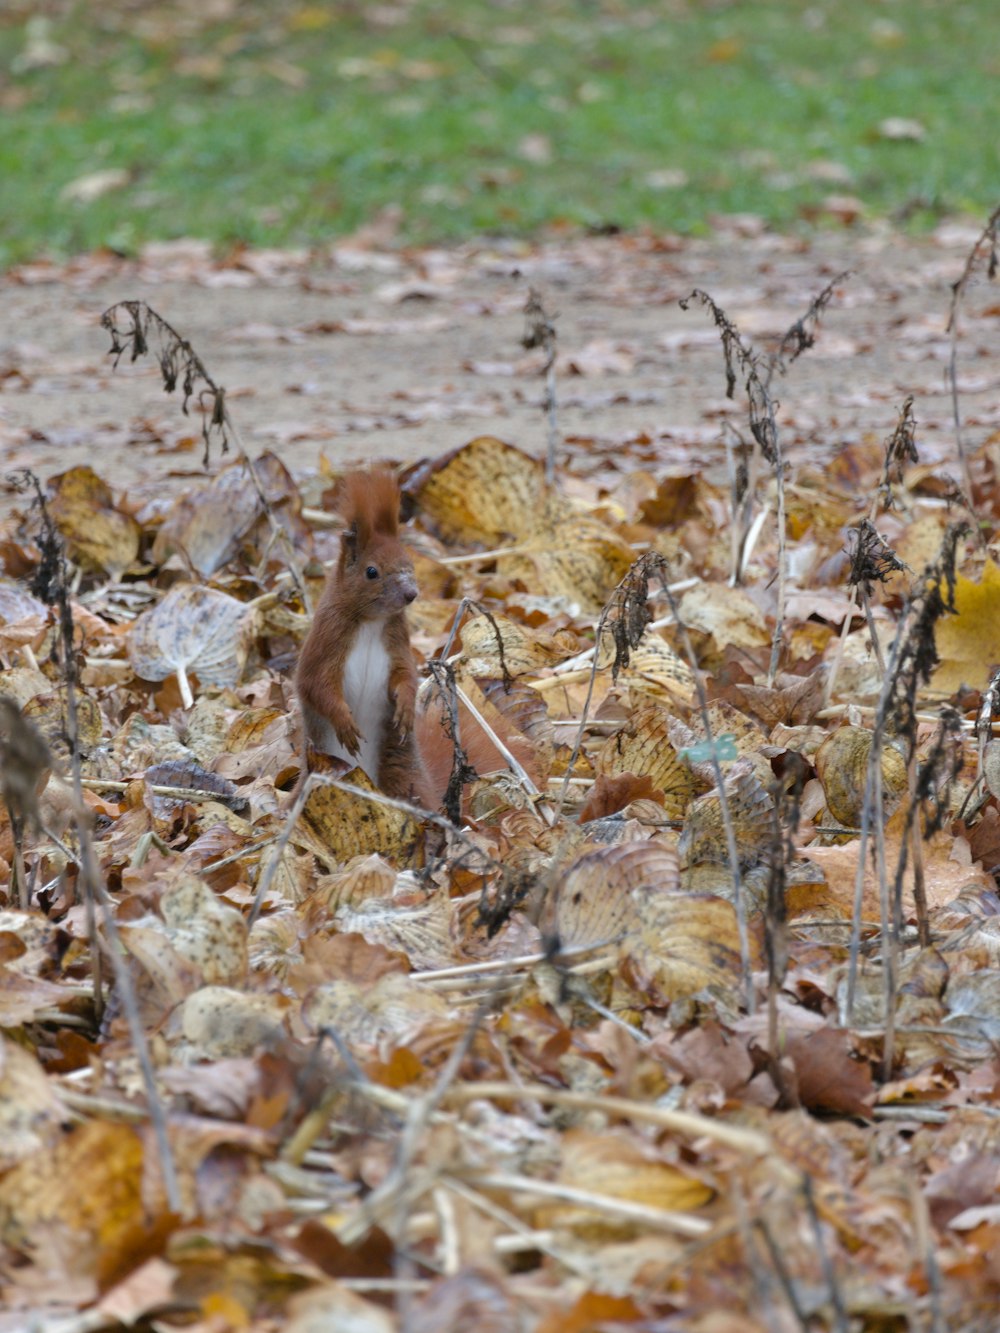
(687, 1015)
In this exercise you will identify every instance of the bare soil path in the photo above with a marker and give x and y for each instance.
(362, 352)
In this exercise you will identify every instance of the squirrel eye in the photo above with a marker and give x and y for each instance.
(371, 572)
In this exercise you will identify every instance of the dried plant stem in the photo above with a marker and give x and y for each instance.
(840, 1320)
(872, 633)
(180, 793)
(392, 1196)
(540, 331)
(529, 1238)
(987, 237)
(656, 1219)
(732, 851)
(782, 587)
(268, 871)
(747, 1141)
(178, 359)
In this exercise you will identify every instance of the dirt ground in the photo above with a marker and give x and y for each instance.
(362, 352)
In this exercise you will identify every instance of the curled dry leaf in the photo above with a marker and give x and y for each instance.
(608, 795)
(221, 1023)
(208, 524)
(337, 826)
(31, 1113)
(525, 651)
(703, 838)
(842, 766)
(728, 615)
(576, 558)
(419, 929)
(686, 944)
(394, 1006)
(609, 1164)
(968, 643)
(47, 712)
(183, 773)
(97, 534)
(86, 1190)
(654, 668)
(642, 747)
(487, 492)
(206, 931)
(192, 629)
(599, 899)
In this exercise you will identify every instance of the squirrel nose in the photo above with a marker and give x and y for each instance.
(408, 587)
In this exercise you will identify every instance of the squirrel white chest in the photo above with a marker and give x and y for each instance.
(366, 689)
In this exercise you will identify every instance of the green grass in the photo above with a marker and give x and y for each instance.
(286, 124)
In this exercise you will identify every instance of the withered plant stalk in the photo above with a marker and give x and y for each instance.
(52, 586)
(758, 372)
(626, 617)
(540, 331)
(987, 243)
(179, 361)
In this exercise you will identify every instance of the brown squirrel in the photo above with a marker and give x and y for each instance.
(356, 676)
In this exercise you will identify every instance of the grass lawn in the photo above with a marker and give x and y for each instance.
(280, 123)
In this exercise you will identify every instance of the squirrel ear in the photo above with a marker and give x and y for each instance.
(350, 543)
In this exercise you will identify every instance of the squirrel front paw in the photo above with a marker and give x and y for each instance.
(348, 735)
(402, 717)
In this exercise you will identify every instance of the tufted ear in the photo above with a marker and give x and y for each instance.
(369, 501)
(349, 545)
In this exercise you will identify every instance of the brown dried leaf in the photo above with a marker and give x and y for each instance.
(610, 1164)
(576, 558)
(525, 651)
(97, 534)
(80, 1201)
(337, 826)
(703, 838)
(487, 492)
(608, 795)
(729, 615)
(603, 895)
(828, 1079)
(842, 766)
(394, 1006)
(48, 713)
(208, 524)
(206, 931)
(643, 747)
(686, 943)
(31, 1113)
(221, 1023)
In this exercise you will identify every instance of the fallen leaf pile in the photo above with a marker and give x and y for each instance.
(690, 1022)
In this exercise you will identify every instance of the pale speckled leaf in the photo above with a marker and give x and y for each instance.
(192, 629)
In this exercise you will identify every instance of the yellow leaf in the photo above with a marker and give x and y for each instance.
(968, 643)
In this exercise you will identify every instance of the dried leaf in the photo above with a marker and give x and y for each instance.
(842, 765)
(337, 826)
(686, 944)
(97, 534)
(642, 747)
(192, 629)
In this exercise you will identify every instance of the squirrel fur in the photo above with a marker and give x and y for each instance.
(356, 676)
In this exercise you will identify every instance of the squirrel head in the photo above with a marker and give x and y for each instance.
(374, 564)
